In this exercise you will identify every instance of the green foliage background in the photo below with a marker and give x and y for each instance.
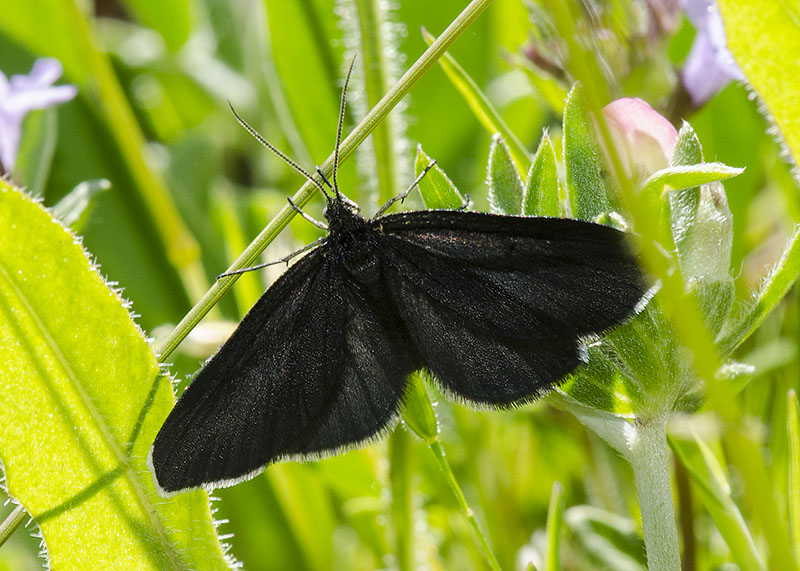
(189, 190)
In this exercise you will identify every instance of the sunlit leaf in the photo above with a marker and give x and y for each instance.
(81, 398)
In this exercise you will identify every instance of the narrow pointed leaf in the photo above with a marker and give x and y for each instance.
(436, 189)
(715, 492)
(73, 210)
(541, 187)
(583, 160)
(681, 177)
(774, 287)
(505, 186)
(688, 150)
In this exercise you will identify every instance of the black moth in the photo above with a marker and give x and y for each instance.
(494, 306)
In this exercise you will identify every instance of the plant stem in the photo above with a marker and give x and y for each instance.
(555, 521)
(11, 523)
(401, 475)
(648, 457)
(367, 125)
(436, 448)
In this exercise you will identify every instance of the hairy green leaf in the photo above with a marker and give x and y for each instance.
(583, 160)
(505, 186)
(81, 398)
(436, 189)
(764, 37)
(541, 187)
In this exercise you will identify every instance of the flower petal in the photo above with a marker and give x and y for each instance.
(644, 139)
(25, 101)
(44, 73)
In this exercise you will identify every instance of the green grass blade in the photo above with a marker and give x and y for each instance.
(488, 116)
(401, 474)
(36, 150)
(793, 422)
(715, 491)
(76, 376)
(248, 289)
(74, 209)
(436, 447)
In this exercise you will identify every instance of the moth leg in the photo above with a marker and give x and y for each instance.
(402, 196)
(465, 204)
(305, 216)
(282, 260)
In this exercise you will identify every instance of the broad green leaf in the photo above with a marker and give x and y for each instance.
(436, 189)
(81, 399)
(715, 492)
(541, 187)
(583, 160)
(505, 186)
(488, 116)
(764, 38)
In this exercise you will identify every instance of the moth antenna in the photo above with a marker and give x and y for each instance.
(342, 105)
(323, 177)
(257, 136)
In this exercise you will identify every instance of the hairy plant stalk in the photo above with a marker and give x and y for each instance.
(648, 457)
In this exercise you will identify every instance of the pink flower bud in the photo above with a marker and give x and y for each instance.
(644, 139)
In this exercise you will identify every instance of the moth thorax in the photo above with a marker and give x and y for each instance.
(361, 262)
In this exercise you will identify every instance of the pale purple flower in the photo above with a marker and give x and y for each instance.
(709, 66)
(22, 94)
